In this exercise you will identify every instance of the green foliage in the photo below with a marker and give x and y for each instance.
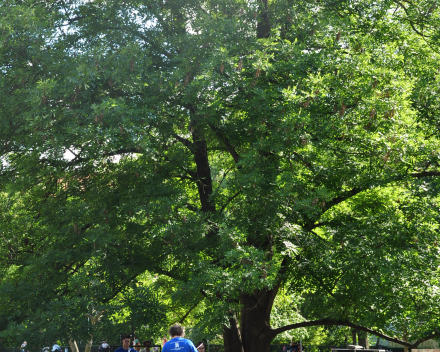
(286, 311)
(189, 140)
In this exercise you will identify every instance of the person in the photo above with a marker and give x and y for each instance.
(178, 343)
(125, 339)
(104, 347)
(200, 346)
(293, 347)
(137, 346)
(23, 346)
(56, 347)
(147, 346)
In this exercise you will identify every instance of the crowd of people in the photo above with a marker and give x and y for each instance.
(177, 343)
(293, 347)
(55, 348)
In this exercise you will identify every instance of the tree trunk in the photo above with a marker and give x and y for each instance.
(88, 346)
(256, 333)
(93, 320)
(133, 332)
(263, 25)
(377, 342)
(405, 338)
(363, 339)
(73, 345)
(232, 337)
(353, 334)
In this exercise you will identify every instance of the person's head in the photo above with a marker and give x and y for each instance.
(200, 346)
(137, 346)
(177, 330)
(147, 345)
(125, 339)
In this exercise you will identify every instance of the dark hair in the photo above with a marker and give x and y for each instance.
(176, 330)
(125, 336)
(145, 343)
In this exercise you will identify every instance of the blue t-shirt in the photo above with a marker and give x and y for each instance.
(179, 344)
(121, 349)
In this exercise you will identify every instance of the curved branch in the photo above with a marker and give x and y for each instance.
(425, 174)
(328, 322)
(356, 190)
(229, 147)
(230, 199)
(181, 320)
(409, 19)
(344, 196)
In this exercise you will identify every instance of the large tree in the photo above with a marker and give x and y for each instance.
(237, 147)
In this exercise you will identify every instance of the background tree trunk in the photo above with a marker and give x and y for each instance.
(93, 320)
(405, 338)
(377, 342)
(88, 346)
(363, 339)
(73, 345)
(353, 334)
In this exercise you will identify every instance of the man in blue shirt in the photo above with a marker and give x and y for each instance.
(125, 339)
(177, 342)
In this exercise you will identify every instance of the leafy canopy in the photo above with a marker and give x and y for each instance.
(233, 146)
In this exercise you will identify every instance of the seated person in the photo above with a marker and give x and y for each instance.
(104, 347)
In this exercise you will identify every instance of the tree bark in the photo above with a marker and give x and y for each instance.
(363, 339)
(232, 337)
(353, 334)
(88, 346)
(73, 345)
(256, 333)
(200, 152)
(263, 25)
(405, 338)
(377, 342)
(93, 320)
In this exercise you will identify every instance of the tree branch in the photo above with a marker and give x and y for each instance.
(344, 196)
(181, 320)
(230, 148)
(356, 190)
(229, 201)
(409, 20)
(425, 174)
(329, 322)
(187, 143)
